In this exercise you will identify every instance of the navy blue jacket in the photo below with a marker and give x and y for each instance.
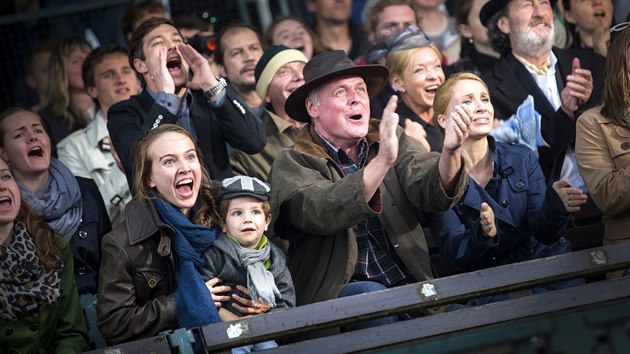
(86, 242)
(530, 217)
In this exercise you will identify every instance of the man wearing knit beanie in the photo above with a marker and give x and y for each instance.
(278, 73)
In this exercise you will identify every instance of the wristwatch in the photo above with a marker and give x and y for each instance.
(221, 84)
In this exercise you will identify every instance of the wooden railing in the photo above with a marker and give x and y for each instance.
(294, 323)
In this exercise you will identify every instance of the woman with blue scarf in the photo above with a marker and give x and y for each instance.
(149, 282)
(71, 205)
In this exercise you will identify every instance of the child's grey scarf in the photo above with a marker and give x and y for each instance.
(260, 282)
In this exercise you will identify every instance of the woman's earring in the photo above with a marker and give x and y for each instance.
(470, 40)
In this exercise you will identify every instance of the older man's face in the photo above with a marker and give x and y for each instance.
(343, 112)
(530, 26)
(287, 79)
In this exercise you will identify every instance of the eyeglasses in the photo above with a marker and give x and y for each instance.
(619, 27)
(411, 37)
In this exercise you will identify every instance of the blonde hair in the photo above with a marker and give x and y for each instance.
(207, 214)
(445, 92)
(399, 60)
(58, 99)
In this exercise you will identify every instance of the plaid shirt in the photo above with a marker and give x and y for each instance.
(376, 260)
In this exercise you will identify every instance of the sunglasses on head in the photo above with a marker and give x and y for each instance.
(619, 27)
(410, 37)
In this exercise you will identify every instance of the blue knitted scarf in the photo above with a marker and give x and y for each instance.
(195, 306)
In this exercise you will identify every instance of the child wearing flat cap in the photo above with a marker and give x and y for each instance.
(241, 254)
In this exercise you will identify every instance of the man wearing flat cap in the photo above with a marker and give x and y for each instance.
(347, 196)
(278, 73)
(563, 82)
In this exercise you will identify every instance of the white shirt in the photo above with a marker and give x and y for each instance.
(549, 86)
(81, 153)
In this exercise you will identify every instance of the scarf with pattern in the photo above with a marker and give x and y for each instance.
(25, 283)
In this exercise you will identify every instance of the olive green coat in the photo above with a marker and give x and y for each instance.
(52, 328)
(315, 209)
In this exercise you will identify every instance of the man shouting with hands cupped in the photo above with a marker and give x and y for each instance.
(180, 88)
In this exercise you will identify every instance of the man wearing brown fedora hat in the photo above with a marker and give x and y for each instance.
(347, 196)
(563, 82)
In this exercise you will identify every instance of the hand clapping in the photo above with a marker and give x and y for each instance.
(488, 225)
(457, 126)
(572, 198)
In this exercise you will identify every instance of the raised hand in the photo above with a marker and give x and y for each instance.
(415, 131)
(388, 147)
(457, 125)
(601, 37)
(486, 215)
(572, 198)
(162, 78)
(203, 78)
(577, 90)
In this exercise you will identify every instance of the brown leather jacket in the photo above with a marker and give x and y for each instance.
(137, 280)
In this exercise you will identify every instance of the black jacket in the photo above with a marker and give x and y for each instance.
(215, 127)
(86, 242)
(435, 138)
(509, 83)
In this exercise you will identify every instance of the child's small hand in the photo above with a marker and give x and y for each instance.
(246, 306)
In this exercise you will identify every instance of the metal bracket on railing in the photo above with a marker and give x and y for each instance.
(180, 341)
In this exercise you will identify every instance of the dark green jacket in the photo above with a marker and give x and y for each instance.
(52, 328)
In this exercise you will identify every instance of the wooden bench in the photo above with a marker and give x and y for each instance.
(425, 295)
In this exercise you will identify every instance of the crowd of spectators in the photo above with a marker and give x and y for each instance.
(199, 174)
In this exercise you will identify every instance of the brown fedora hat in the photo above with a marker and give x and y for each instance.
(490, 8)
(327, 66)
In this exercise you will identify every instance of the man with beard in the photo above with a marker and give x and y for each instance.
(562, 82)
(239, 47)
(180, 88)
(278, 74)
